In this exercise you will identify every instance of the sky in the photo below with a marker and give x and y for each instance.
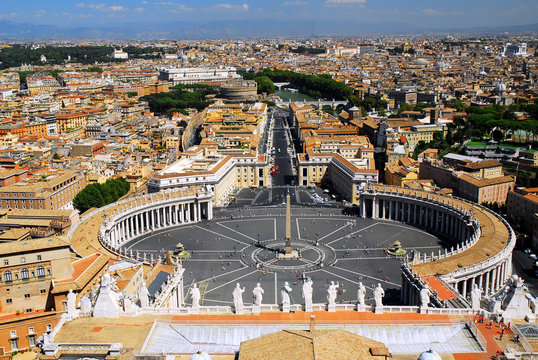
(428, 14)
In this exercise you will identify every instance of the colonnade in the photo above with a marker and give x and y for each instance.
(450, 222)
(147, 217)
(453, 220)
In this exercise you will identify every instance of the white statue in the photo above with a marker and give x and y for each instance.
(195, 296)
(378, 295)
(71, 303)
(257, 295)
(425, 293)
(361, 293)
(143, 296)
(285, 294)
(307, 294)
(238, 298)
(332, 293)
(476, 295)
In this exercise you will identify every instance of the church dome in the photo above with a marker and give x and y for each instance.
(501, 86)
(429, 355)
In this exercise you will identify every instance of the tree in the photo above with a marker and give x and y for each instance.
(97, 195)
(182, 124)
(497, 135)
(265, 85)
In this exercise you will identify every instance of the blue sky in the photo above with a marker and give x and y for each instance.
(447, 13)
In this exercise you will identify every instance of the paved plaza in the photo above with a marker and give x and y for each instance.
(226, 251)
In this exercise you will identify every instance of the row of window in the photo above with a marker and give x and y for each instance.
(25, 274)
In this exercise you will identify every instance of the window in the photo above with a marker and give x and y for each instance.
(49, 327)
(31, 330)
(14, 344)
(6, 262)
(31, 340)
(7, 276)
(13, 333)
(28, 311)
(42, 291)
(9, 301)
(26, 296)
(25, 275)
(40, 271)
(38, 257)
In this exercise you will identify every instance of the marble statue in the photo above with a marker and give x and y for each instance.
(285, 294)
(307, 294)
(143, 295)
(425, 293)
(195, 295)
(476, 295)
(71, 303)
(378, 296)
(257, 295)
(361, 294)
(332, 293)
(238, 298)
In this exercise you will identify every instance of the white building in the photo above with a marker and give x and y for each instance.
(120, 54)
(197, 75)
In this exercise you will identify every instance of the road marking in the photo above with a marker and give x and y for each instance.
(368, 276)
(350, 234)
(231, 281)
(225, 236)
(237, 232)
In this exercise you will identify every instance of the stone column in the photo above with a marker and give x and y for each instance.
(146, 215)
(486, 290)
(131, 227)
(158, 210)
(493, 280)
(374, 208)
(182, 213)
(480, 281)
(465, 288)
(390, 209)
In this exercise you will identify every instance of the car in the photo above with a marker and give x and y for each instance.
(532, 256)
(527, 251)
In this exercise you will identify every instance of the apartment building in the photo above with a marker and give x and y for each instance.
(47, 189)
(522, 207)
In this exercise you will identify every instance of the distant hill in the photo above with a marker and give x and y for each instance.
(235, 29)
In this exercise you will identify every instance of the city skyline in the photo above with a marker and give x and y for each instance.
(419, 15)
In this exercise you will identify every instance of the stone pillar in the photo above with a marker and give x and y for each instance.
(146, 216)
(198, 211)
(131, 227)
(181, 213)
(136, 225)
(465, 289)
(390, 209)
(486, 290)
(397, 214)
(480, 281)
(493, 280)
(158, 217)
(374, 208)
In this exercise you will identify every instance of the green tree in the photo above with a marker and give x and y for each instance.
(265, 85)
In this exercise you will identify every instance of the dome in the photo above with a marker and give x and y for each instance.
(421, 61)
(201, 355)
(501, 86)
(429, 355)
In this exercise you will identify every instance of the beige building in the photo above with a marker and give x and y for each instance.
(51, 189)
(522, 207)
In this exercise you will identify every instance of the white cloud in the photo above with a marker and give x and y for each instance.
(40, 13)
(294, 3)
(174, 7)
(117, 8)
(225, 6)
(144, 2)
(344, 2)
(102, 7)
(432, 12)
(9, 16)
(139, 9)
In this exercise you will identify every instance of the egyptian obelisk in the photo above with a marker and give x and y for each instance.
(288, 223)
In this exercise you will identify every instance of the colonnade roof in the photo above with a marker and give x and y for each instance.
(494, 238)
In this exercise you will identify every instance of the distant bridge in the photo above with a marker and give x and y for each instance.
(279, 85)
(319, 103)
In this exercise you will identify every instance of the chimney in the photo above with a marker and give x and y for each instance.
(312, 323)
